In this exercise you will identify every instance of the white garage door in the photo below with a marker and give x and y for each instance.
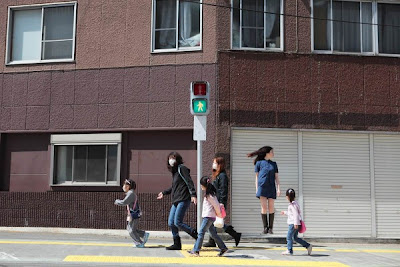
(387, 185)
(336, 184)
(347, 182)
(246, 212)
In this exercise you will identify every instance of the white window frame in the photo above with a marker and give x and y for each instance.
(35, 7)
(86, 139)
(282, 25)
(375, 30)
(177, 49)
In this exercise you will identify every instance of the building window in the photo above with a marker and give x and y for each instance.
(176, 25)
(257, 24)
(356, 27)
(41, 33)
(86, 159)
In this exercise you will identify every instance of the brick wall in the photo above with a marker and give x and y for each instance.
(94, 210)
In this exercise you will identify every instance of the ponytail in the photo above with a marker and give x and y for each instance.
(260, 153)
(210, 189)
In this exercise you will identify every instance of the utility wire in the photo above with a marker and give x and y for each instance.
(290, 15)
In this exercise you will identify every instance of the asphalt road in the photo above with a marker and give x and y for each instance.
(48, 249)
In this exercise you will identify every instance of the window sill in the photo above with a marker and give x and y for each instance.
(85, 184)
(322, 52)
(162, 51)
(28, 62)
(257, 49)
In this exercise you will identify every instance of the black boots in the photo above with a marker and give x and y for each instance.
(234, 234)
(210, 243)
(194, 234)
(271, 222)
(265, 223)
(229, 230)
(177, 244)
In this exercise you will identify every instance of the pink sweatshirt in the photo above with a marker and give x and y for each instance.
(210, 207)
(293, 213)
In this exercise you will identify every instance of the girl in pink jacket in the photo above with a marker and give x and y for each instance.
(294, 217)
(211, 210)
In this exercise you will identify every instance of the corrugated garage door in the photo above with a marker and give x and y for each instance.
(336, 184)
(246, 210)
(387, 185)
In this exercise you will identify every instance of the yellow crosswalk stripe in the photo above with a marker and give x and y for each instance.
(218, 261)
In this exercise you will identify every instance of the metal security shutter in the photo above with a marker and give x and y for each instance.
(246, 209)
(336, 184)
(387, 185)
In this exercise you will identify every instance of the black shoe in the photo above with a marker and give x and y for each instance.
(194, 234)
(222, 252)
(210, 243)
(177, 244)
(265, 231)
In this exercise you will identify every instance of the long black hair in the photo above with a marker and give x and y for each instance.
(178, 162)
(210, 189)
(261, 153)
(291, 194)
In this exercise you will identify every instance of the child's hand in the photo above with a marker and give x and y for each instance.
(282, 212)
(296, 227)
(160, 195)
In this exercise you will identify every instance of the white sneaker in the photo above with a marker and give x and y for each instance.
(287, 253)
(309, 249)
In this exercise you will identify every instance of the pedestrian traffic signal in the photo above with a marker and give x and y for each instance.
(199, 98)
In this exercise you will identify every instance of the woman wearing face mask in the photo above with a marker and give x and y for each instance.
(183, 192)
(220, 182)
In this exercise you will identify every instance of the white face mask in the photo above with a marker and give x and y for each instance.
(215, 166)
(171, 162)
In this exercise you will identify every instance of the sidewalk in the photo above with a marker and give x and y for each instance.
(246, 238)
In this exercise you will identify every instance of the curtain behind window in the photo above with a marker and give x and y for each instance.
(165, 24)
(346, 26)
(189, 24)
(322, 25)
(389, 28)
(272, 23)
(253, 24)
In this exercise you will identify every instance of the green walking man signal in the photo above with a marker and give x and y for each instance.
(199, 98)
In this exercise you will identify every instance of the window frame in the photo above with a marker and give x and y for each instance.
(282, 32)
(177, 49)
(35, 7)
(85, 140)
(375, 30)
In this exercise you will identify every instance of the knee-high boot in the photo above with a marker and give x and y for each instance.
(271, 222)
(265, 223)
(234, 234)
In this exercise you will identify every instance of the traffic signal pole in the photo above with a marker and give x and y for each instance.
(199, 173)
(199, 107)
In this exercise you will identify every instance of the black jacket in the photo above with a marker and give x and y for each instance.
(221, 184)
(181, 189)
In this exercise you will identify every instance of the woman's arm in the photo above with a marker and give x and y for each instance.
(256, 182)
(278, 187)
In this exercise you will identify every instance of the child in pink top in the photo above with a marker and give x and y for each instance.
(294, 217)
(211, 210)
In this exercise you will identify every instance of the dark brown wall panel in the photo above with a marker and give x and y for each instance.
(82, 210)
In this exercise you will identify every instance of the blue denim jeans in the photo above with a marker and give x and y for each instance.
(292, 234)
(207, 224)
(175, 219)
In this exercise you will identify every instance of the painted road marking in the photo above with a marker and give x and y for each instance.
(6, 256)
(380, 251)
(199, 261)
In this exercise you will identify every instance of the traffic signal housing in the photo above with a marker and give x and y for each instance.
(199, 98)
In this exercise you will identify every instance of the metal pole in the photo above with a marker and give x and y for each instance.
(199, 174)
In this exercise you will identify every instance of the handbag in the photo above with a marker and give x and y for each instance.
(302, 227)
(219, 222)
(134, 214)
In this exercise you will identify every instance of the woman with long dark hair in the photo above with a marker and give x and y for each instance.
(183, 191)
(220, 181)
(267, 184)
